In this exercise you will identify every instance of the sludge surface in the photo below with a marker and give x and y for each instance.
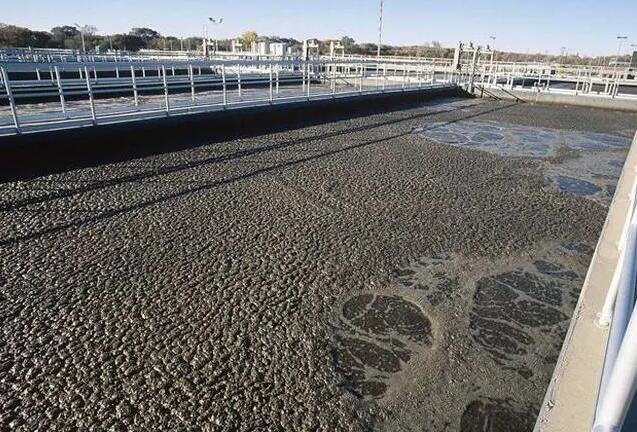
(204, 289)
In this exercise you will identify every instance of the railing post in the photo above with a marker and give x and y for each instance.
(166, 99)
(277, 79)
(239, 81)
(60, 90)
(303, 68)
(192, 82)
(360, 84)
(223, 83)
(404, 77)
(89, 89)
(271, 96)
(132, 75)
(14, 110)
(333, 79)
(309, 81)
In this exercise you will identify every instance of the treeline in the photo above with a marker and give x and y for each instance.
(70, 37)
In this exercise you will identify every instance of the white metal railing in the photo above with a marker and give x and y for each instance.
(103, 93)
(619, 314)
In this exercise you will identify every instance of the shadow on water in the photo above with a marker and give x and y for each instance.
(99, 185)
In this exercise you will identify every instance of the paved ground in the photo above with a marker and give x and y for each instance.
(349, 276)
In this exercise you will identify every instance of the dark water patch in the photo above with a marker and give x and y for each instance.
(378, 335)
(616, 163)
(577, 248)
(496, 415)
(576, 186)
(555, 270)
(509, 305)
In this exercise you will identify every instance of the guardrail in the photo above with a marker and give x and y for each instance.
(619, 314)
(85, 96)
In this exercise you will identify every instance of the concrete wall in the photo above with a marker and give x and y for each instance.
(33, 155)
(559, 98)
(570, 401)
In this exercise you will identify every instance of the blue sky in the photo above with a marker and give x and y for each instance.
(584, 26)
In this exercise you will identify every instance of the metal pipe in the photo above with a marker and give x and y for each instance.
(623, 305)
(192, 82)
(622, 382)
(239, 81)
(14, 110)
(223, 81)
(89, 89)
(60, 90)
(166, 98)
(135, 96)
(271, 95)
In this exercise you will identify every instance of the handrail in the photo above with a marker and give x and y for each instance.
(619, 373)
(227, 81)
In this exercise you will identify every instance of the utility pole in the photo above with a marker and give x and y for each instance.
(380, 28)
(215, 21)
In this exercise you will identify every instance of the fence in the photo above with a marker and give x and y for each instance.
(51, 96)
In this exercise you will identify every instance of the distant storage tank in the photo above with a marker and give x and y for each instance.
(633, 62)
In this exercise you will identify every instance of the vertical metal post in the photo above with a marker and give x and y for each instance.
(360, 84)
(89, 89)
(95, 73)
(166, 99)
(60, 90)
(239, 81)
(271, 96)
(303, 68)
(277, 79)
(117, 72)
(132, 75)
(385, 76)
(143, 72)
(51, 75)
(333, 80)
(404, 76)
(309, 81)
(37, 73)
(192, 82)
(14, 110)
(223, 82)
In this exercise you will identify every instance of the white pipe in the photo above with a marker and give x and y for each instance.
(622, 383)
(605, 315)
(624, 303)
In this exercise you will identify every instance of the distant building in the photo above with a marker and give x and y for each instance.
(278, 49)
(263, 48)
(633, 62)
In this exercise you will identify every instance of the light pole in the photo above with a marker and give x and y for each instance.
(493, 38)
(380, 28)
(215, 21)
(81, 30)
(621, 40)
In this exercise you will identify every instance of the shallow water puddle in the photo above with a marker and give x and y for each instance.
(591, 169)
